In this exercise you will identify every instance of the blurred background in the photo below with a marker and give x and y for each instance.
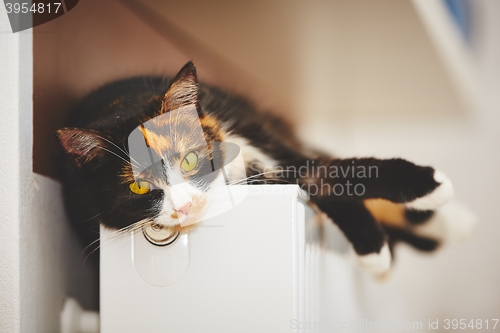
(389, 78)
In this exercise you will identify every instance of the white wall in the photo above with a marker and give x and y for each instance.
(40, 260)
(10, 90)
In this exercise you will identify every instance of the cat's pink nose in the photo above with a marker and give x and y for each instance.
(185, 209)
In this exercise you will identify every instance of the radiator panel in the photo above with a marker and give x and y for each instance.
(268, 265)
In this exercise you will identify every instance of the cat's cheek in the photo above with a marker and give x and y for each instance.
(200, 203)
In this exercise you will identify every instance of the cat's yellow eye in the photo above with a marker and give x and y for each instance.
(140, 187)
(189, 162)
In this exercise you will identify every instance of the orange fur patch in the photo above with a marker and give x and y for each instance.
(156, 142)
(207, 121)
(116, 103)
(387, 212)
(127, 175)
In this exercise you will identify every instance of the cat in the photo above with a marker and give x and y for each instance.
(382, 201)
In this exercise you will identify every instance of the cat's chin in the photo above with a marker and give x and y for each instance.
(182, 225)
(181, 228)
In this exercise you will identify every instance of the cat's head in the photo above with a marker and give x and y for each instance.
(161, 172)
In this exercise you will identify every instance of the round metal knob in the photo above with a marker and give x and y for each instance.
(158, 235)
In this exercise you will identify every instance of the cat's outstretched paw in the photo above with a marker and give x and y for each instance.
(452, 223)
(438, 197)
(377, 263)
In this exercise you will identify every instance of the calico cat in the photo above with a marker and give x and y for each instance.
(102, 187)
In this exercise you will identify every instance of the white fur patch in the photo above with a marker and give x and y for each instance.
(181, 192)
(452, 223)
(377, 263)
(174, 197)
(436, 198)
(251, 153)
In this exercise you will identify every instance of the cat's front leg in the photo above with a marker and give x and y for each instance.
(396, 180)
(366, 235)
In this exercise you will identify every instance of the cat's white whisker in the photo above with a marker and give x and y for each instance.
(122, 150)
(91, 253)
(113, 153)
(134, 226)
(90, 218)
(86, 247)
(260, 174)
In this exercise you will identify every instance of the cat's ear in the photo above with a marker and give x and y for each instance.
(183, 91)
(85, 147)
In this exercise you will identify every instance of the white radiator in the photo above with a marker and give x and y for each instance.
(268, 265)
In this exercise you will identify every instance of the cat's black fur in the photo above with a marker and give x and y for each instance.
(94, 193)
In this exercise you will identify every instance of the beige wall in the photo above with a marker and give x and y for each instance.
(367, 58)
(96, 43)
